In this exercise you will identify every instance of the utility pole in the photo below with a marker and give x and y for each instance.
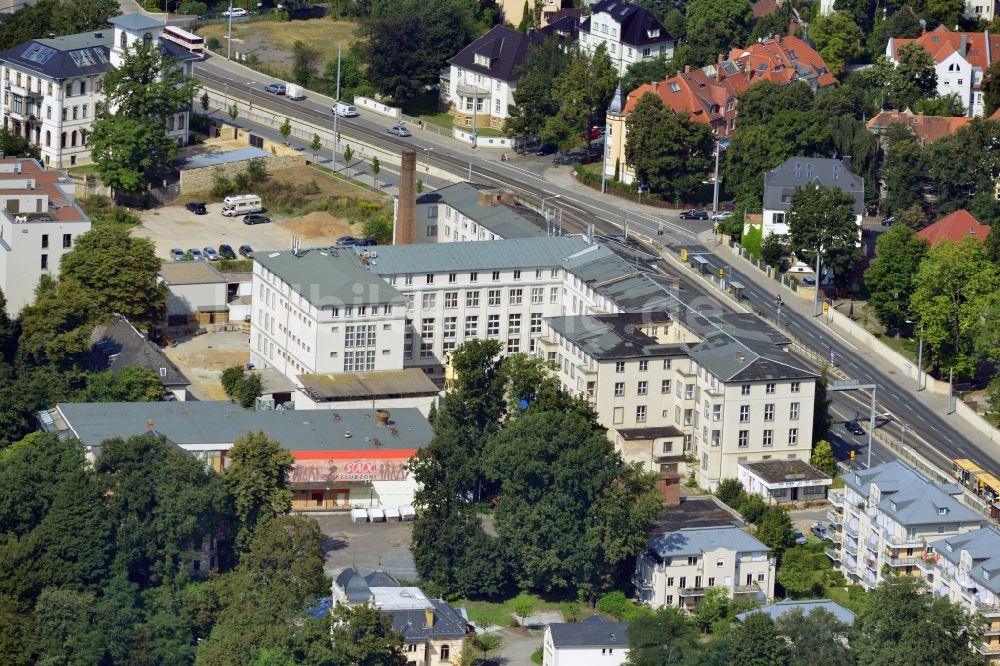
(951, 391)
(336, 134)
(816, 295)
(720, 145)
(229, 44)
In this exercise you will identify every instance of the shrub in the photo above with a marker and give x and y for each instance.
(730, 491)
(193, 7)
(230, 378)
(247, 390)
(222, 185)
(213, 43)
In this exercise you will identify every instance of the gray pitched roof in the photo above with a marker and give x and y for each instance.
(738, 347)
(220, 423)
(506, 221)
(589, 634)
(354, 586)
(807, 606)
(329, 278)
(114, 346)
(698, 540)
(612, 336)
(636, 22)
(449, 622)
(781, 182)
(135, 21)
(506, 49)
(984, 547)
(909, 498)
(65, 57)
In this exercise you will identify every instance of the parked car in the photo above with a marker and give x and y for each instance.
(800, 538)
(889, 221)
(276, 88)
(211, 254)
(197, 207)
(365, 242)
(592, 134)
(399, 130)
(177, 254)
(226, 252)
(854, 428)
(723, 216)
(246, 251)
(346, 241)
(819, 531)
(694, 215)
(545, 149)
(345, 110)
(235, 12)
(809, 282)
(256, 218)
(196, 254)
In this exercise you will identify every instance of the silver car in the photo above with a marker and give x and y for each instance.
(196, 254)
(399, 130)
(211, 254)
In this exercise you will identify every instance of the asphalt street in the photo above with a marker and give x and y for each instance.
(937, 436)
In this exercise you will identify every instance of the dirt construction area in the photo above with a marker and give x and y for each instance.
(203, 358)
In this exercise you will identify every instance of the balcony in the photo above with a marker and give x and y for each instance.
(851, 548)
(988, 648)
(641, 583)
(833, 554)
(901, 542)
(21, 91)
(835, 518)
(926, 565)
(902, 561)
(990, 611)
(851, 530)
(871, 565)
(836, 498)
(692, 592)
(746, 589)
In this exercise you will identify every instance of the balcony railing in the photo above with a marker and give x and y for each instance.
(692, 592)
(851, 530)
(746, 589)
(836, 498)
(832, 553)
(835, 518)
(641, 583)
(902, 561)
(988, 648)
(851, 548)
(900, 542)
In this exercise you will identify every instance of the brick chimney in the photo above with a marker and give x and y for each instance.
(669, 485)
(405, 228)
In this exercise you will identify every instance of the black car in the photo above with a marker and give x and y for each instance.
(694, 215)
(365, 242)
(197, 207)
(854, 428)
(888, 222)
(256, 218)
(346, 241)
(246, 251)
(226, 252)
(547, 149)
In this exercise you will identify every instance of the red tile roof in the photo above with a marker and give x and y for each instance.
(708, 95)
(46, 180)
(941, 43)
(927, 128)
(955, 227)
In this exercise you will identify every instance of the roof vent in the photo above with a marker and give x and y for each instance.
(382, 417)
(347, 434)
(99, 34)
(336, 416)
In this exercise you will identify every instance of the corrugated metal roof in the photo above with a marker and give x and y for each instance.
(376, 384)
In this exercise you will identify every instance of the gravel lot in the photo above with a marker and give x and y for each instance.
(368, 546)
(203, 358)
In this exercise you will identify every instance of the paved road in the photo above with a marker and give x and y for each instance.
(538, 183)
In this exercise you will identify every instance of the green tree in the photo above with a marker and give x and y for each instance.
(285, 130)
(348, 154)
(316, 146)
(304, 63)
(711, 609)
(257, 478)
(527, 22)
(890, 277)
(902, 23)
(730, 491)
(129, 142)
(816, 638)
(850, 136)
(901, 624)
(55, 329)
(522, 607)
(993, 397)
(376, 167)
(822, 219)
(903, 169)
(912, 79)
(645, 71)
(772, 249)
(949, 105)
(714, 26)
(838, 40)
(660, 639)
(991, 89)
(822, 458)
(32, 471)
(247, 390)
(487, 643)
(363, 636)
(583, 90)
(755, 642)
(751, 508)
(233, 111)
(803, 572)
(534, 98)
(956, 186)
(955, 285)
(378, 227)
(205, 101)
(666, 150)
(944, 12)
(775, 530)
(128, 384)
(821, 406)
(65, 621)
(762, 103)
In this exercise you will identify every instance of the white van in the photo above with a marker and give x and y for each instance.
(294, 92)
(241, 204)
(344, 110)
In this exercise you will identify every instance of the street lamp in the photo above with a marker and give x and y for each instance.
(336, 132)
(250, 88)
(920, 355)
(720, 145)
(548, 230)
(229, 44)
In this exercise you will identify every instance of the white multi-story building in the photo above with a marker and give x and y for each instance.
(965, 568)
(629, 33)
(781, 182)
(472, 211)
(593, 641)
(886, 517)
(679, 567)
(319, 311)
(39, 221)
(961, 59)
(52, 86)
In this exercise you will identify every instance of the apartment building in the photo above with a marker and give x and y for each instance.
(39, 221)
(629, 32)
(319, 311)
(781, 182)
(52, 86)
(680, 566)
(593, 640)
(965, 568)
(473, 211)
(887, 516)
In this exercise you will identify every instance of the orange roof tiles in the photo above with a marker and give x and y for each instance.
(941, 43)
(60, 204)
(927, 128)
(955, 227)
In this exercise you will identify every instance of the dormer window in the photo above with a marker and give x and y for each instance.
(892, 505)
(949, 547)
(482, 60)
(986, 574)
(674, 87)
(942, 510)
(654, 33)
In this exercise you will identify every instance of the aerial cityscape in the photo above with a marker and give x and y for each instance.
(500, 332)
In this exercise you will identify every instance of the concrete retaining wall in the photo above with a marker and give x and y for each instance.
(482, 141)
(200, 180)
(377, 107)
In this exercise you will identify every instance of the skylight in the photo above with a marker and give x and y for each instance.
(38, 53)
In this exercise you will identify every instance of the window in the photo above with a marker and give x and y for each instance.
(619, 389)
(744, 413)
(473, 277)
(537, 295)
(514, 324)
(716, 412)
(513, 345)
(795, 387)
(45, 261)
(689, 391)
(450, 299)
(770, 388)
(536, 322)
(67, 240)
(428, 300)
(409, 302)
(793, 411)
(432, 230)
(640, 414)
(688, 417)
(553, 294)
(493, 298)
(445, 653)
(716, 437)
(45, 241)
(745, 389)
(452, 278)
(768, 439)
(517, 275)
(472, 299)
(430, 278)
(769, 412)
(496, 276)
(643, 366)
(641, 389)
(516, 295)
(793, 436)
(471, 326)
(619, 366)
(450, 326)
(493, 326)
(744, 439)
(427, 328)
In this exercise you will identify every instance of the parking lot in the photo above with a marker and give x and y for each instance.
(367, 546)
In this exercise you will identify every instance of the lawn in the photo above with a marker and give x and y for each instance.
(425, 106)
(501, 613)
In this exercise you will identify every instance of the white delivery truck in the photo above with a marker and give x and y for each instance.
(344, 110)
(295, 92)
(241, 204)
